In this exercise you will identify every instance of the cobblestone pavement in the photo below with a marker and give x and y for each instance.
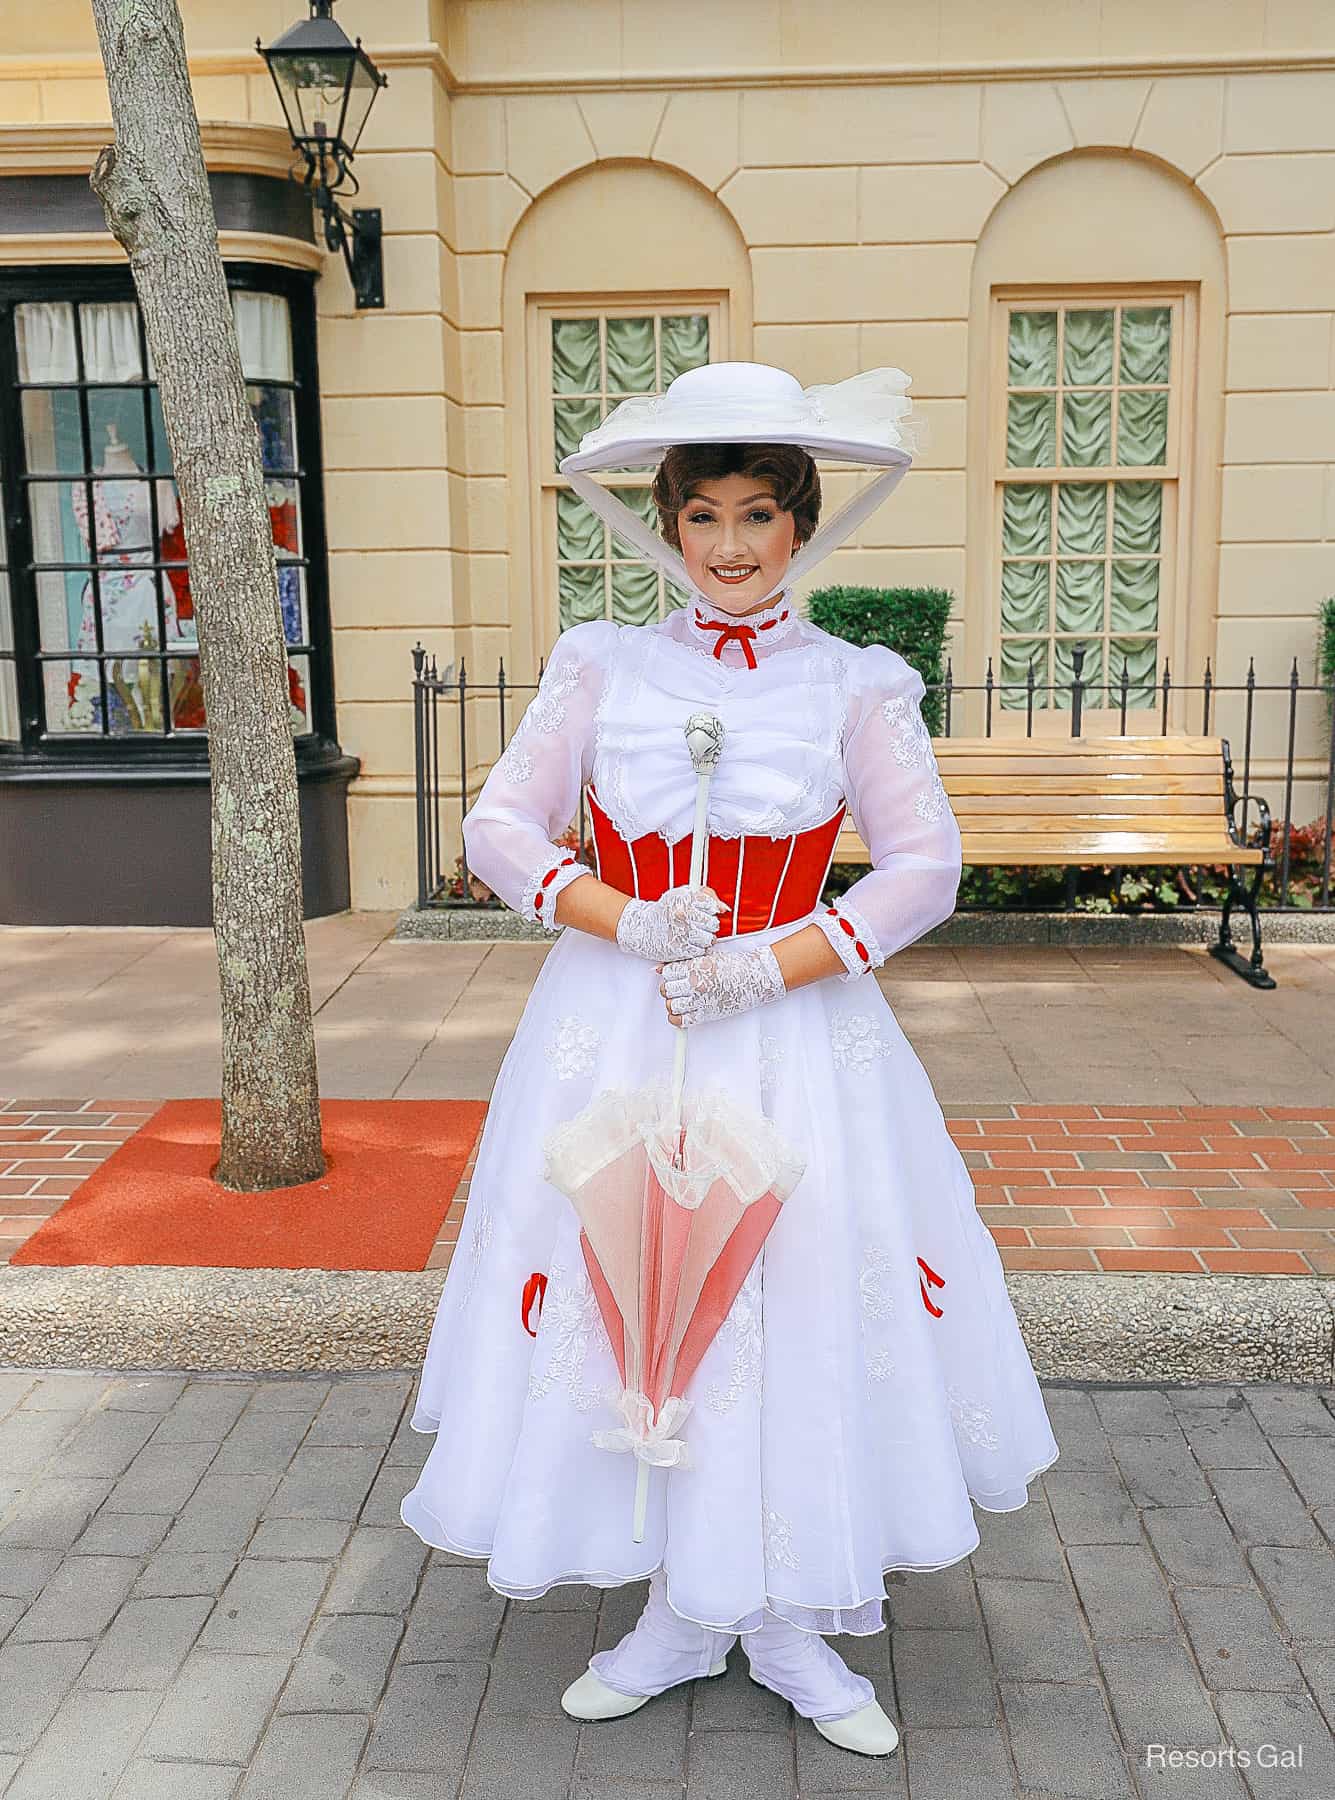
(205, 1594)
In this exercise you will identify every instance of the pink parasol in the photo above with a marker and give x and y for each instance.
(675, 1194)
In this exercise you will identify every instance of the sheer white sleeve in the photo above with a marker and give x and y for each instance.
(902, 811)
(532, 793)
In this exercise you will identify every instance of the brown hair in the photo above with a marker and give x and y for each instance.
(790, 472)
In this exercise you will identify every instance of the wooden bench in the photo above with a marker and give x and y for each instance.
(1068, 802)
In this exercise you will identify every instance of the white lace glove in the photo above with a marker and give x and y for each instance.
(683, 922)
(720, 984)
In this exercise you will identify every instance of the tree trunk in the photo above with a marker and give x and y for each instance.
(154, 189)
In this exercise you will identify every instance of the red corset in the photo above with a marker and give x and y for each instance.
(765, 880)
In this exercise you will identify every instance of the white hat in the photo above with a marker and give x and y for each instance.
(867, 420)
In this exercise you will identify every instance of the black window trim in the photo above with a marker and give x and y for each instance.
(184, 752)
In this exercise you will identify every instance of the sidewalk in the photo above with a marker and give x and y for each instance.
(207, 1596)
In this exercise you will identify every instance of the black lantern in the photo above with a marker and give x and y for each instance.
(327, 86)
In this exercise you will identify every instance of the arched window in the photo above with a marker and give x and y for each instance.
(98, 643)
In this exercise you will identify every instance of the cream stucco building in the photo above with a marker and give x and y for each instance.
(1099, 236)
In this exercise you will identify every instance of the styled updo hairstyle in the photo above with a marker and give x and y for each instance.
(789, 471)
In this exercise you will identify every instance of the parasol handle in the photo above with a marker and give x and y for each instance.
(704, 741)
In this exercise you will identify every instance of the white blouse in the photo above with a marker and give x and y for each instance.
(809, 722)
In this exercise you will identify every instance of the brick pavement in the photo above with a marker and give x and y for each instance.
(1112, 1189)
(205, 1594)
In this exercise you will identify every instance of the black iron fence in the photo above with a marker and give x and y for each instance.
(461, 726)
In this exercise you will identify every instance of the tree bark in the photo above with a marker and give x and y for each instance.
(154, 189)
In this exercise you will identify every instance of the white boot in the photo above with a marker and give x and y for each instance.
(591, 1698)
(661, 1651)
(816, 1682)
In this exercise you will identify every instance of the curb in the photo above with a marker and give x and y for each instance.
(1119, 1328)
(463, 924)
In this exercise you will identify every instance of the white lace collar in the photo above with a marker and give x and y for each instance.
(739, 641)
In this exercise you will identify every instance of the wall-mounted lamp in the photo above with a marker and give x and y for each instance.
(327, 86)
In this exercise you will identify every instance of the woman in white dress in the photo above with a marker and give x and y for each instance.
(870, 1382)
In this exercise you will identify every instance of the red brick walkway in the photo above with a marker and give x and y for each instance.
(1187, 1189)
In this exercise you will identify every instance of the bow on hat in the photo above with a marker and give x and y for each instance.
(867, 420)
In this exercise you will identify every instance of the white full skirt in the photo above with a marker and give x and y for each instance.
(839, 1428)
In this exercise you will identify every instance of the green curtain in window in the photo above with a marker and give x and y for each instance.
(1145, 343)
(1135, 596)
(1026, 518)
(634, 593)
(1139, 655)
(1032, 349)
(1081, 510)
(1064, 671)
(1024, 596)
(1031, 431)
(640, 500)
(575, 356)
(1079, 596)
(582, 595)
(1138, 516)
(579, 531)
(630, 356)
(1087, 359)
(685, 343)
(1142, 427)
(1087, 429)
(573, 418)
(1016, 656)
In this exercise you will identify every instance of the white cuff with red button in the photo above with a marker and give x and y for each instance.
(538, 903)
(851, 938)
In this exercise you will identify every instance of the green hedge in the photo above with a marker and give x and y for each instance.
(910, 620)
(1326, 652)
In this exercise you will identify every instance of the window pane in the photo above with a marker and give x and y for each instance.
(187, 693)
(1026, 518)
(134, 696)
(284, 517)
(72, 702)
(630, 356)
(263, 335)
(292, 602)
(1087, 359)
(61, 609)
(109, 331)
(58, 511)
(9, 702)
(52, 434)
(639, 500)
(1032, 349)
(162, 456)
(6, 612)
(579, 530)
(1146, 332)
(1081, 514)
(1138, 515)
(1087, 429)
(573, 418)
(634, 593)
(1135, 596)
(1016, 656)
(46, 346)
(685, 343)
(298, 692)
(1024, 596)
(1031, 431)
(575, 356)
(116, 433)
(582, 595)
(274, 414)
(1142, 427)
(1091, 673)
(1140, 657)
(1079, 596)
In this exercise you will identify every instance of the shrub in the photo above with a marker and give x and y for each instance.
(1326, 644)
(910, 620)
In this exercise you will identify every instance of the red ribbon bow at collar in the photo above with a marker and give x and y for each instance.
(730, 632)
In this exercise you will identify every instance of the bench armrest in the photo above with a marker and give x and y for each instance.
(1264, 826)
